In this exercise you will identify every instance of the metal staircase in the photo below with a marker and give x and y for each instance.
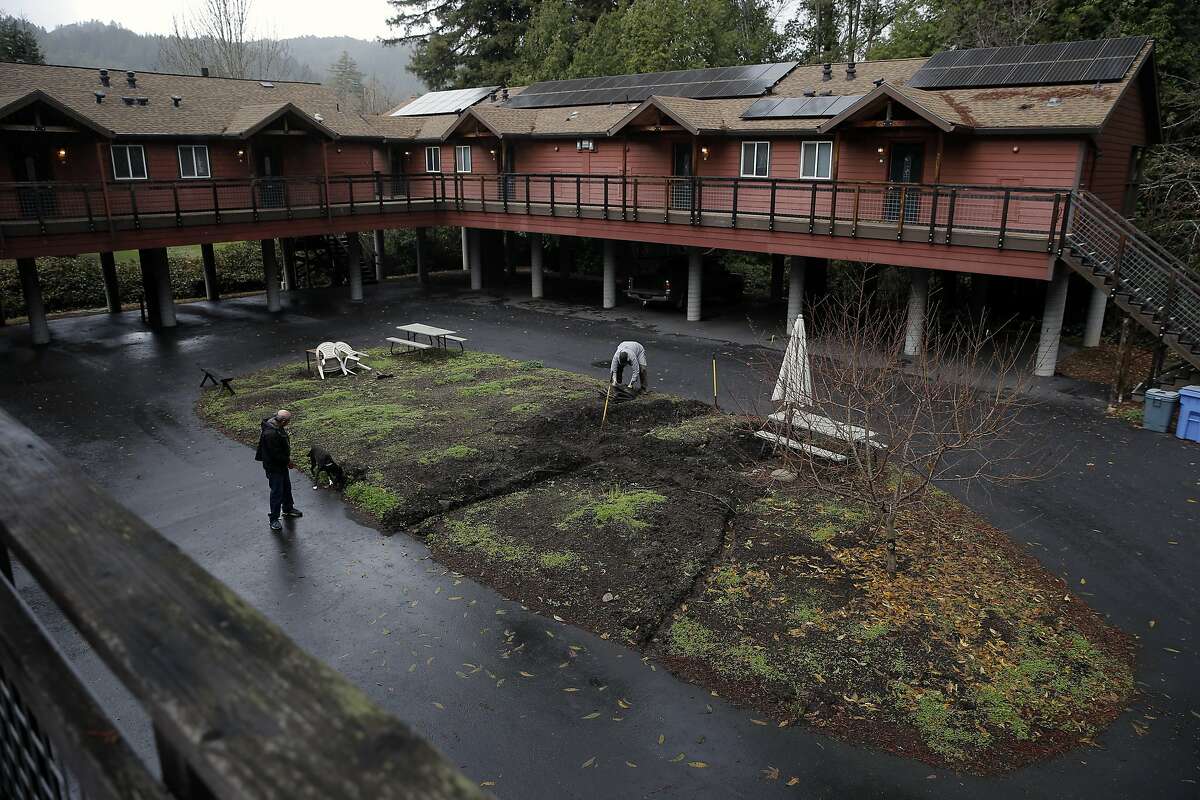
(1142, 278)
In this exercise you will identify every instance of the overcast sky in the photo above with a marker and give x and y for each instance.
(361, 18)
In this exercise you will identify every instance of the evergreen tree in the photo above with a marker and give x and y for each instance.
(346, 78)
(18, 42)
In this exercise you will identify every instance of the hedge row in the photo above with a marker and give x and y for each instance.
(74, 283)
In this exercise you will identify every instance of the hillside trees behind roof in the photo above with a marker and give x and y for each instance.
(219, 35)
(18, 42)
(462, 43)
(645, 36)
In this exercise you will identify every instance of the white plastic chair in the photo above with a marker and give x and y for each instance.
(348, 353)
(328, 352)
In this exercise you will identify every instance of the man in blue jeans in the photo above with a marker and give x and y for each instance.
(275, 453)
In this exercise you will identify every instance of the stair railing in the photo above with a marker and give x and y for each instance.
(1138, 266)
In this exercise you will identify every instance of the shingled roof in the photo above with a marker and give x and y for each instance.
(207, 107)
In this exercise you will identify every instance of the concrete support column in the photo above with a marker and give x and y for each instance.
(536, 266)
(466, 248)
(694, 287)
(35, 309)
(510, 259)
(354, 266)
(108, 273)
(1095, 317)
(379, 266)
(476, 261)
(288, 246)
(271, 274)
(777, 277)
(156, 284)
(610, 274)
(1052, 317)
(210, 272)
(422, 267)
(918, 299)
(795, 303)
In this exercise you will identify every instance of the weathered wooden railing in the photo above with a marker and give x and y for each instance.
(238, 710)
(981, 216)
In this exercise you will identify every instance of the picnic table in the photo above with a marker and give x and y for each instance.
(437, 336)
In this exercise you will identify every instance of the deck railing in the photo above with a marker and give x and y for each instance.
(942, 214)
(237, 709)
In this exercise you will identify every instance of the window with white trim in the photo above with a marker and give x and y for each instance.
(756, 159)
(433, 159)
(462, 158)
(193, 161)
(129, 162)
(816, 160)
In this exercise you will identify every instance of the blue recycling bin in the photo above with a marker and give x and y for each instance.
(1189, 414)
(1158, 409)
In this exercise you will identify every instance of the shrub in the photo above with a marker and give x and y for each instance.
(73, 283)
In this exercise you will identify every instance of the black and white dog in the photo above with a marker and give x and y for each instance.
(320, 460)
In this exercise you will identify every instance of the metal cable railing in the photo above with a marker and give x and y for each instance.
(912, 212)
(1138, 266)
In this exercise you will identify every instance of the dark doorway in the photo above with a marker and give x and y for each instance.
(681, 167)
(905, 165)
(399, 173)
(30, 161)
(508, 166)
(269, 158)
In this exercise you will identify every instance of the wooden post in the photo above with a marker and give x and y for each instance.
(1124, 357)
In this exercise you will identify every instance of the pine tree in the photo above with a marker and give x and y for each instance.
(18, 42)
(346, 78)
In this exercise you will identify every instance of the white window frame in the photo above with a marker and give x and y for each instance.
(462, 156)
(754, 147)
(816, 144)
(124, 150)
(190, 150)
(436, 161)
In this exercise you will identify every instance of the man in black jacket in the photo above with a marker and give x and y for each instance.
(275, 453)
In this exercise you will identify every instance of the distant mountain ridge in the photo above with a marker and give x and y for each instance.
(95, 43)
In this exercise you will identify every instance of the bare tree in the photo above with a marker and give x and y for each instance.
(952, 415)
(217, 34)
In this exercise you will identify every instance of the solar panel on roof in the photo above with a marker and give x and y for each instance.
(451, 101)
(799, 107)
(743, 81)
(1030, 65)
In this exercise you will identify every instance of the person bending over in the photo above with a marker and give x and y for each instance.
(629, 356)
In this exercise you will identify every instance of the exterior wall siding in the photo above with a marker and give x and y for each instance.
(1110, 167)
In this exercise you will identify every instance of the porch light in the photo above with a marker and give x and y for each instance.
(493, 153)
(879, 150)
(704, 153)
(1016, 149)
(62, 155)
(241, 155)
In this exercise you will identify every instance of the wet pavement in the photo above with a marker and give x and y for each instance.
(1118, 519)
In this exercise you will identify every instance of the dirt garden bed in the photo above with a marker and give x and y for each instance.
(666, 532)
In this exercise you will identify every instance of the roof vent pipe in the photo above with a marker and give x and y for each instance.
(99, 97)
(850, 71)
(104, 77)
(810, 92)
(204, 72)
(176, 100)
(878, 81)
(827, 72)
(131, 79)
(504, 93)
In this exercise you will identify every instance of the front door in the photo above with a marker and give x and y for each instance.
(681, 174)
(905, 166)
(30, 162)
(270, 170)
(508, 157)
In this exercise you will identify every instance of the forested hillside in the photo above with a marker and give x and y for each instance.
(308, 57)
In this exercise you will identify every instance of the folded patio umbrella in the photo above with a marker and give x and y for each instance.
(794, 387)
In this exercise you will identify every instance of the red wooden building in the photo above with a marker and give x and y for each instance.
(1020, 162)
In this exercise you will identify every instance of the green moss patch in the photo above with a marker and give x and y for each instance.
(971, 655)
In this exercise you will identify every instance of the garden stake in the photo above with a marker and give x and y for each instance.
(714, 370)
(604, 417)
